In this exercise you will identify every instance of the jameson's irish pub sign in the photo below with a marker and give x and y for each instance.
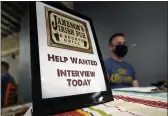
(67, 32)
(67, 65)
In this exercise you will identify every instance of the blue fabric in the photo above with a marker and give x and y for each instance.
(5, 80)
(120, 74)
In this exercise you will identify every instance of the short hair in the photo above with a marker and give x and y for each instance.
(5, 65)
(115, 35)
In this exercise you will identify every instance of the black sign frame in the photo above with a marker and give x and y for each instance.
(51, 106)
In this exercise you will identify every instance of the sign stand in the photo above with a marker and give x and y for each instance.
(31, 113)
(67, 67)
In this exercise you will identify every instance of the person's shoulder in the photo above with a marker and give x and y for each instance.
(11, 79)
(107, 60)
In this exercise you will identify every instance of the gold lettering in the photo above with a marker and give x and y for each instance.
(63, 22)
(59, 21)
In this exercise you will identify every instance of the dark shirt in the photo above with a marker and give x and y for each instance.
(121, 74)
(5, 80)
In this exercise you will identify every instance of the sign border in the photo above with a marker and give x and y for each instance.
(51, 106)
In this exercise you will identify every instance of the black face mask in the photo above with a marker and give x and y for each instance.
(121, 50)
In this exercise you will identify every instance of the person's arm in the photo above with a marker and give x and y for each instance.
(106, 69)
(3, 90)
(135, 82)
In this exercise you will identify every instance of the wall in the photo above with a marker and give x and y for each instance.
(24, 89)
(68, 4)
(10, 44)
(144, 24)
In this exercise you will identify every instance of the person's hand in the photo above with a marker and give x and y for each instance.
(135, 83)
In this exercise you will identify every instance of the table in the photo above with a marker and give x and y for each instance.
(124, 104)
(127, 104)
(17, 110)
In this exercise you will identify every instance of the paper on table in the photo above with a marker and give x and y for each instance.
(136, 89)
(29, 112)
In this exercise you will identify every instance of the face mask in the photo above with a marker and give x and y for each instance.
(121, 50)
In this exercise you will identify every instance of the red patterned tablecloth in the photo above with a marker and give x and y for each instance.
(127, 104)
(124, 104)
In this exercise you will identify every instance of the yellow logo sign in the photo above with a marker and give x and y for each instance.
(121, 75)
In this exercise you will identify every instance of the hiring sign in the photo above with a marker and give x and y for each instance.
(68, 57)
(67, 61)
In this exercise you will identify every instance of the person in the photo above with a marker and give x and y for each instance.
(120, 73)
(6, 78)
